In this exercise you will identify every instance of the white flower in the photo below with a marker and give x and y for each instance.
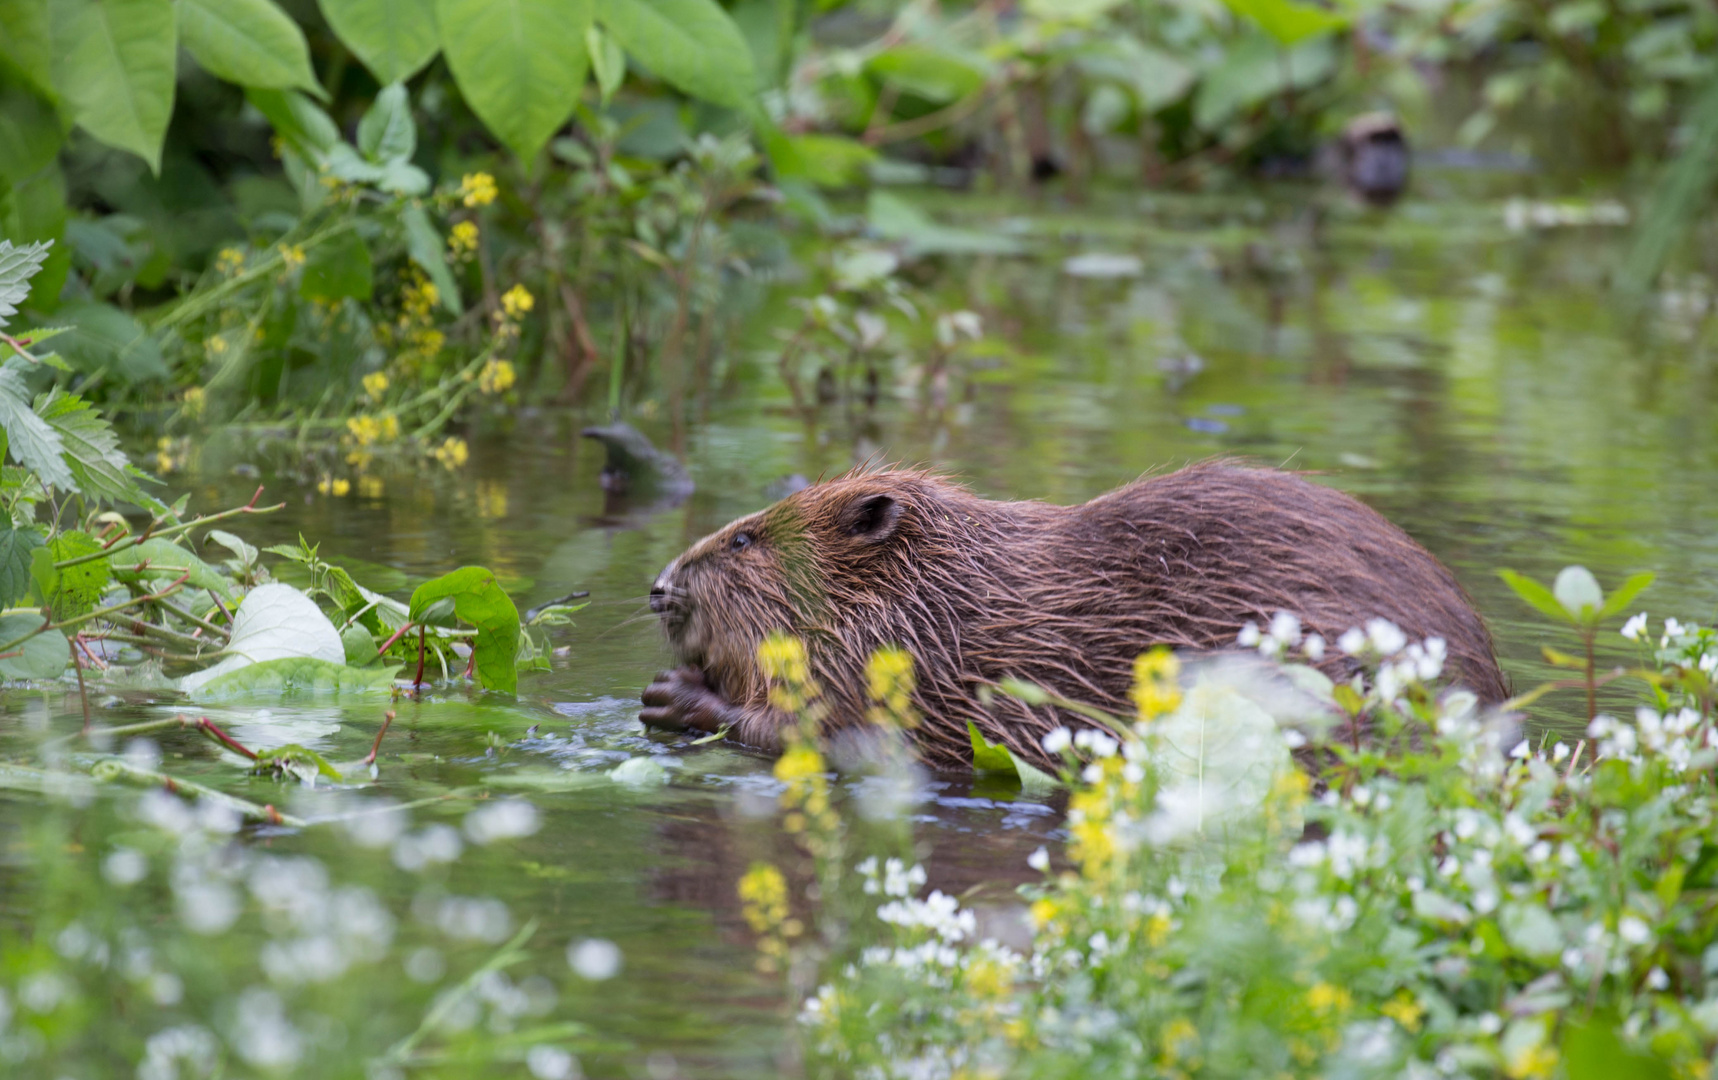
(1635, 627)
(1313, 647)
(1039, 860)
(1058, 740)
(1285, 627)
(1249, 635)
(1385, 636)
(1656, 979)
(594, 959)
(1633, 930)
(1352, 641)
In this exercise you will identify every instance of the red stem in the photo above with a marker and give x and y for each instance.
(213, 730)
(387, 720)
(398, 634)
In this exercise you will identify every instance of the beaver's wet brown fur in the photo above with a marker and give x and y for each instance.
(1063, 596)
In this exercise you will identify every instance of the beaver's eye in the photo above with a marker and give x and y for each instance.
(740, 542)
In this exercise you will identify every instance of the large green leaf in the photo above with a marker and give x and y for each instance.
(41, 657)
(15, 548)
(691, 44)
(33, 443)
(159, 559)
(295, 675)
(90, 448)
(519, 63)
(477, 598)
(934, 74)
(26, 40)
(274, 622)
(394, 38)
(1289, 22)
(249, 42)
(114, 66)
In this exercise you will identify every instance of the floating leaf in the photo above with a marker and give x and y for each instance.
(988, 756)
(274, 622)
(41, 657)
(296, 675)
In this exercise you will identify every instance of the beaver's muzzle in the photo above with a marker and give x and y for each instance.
(658, 599)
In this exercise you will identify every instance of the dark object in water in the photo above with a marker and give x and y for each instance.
(1373, 155)
(531, 615)
(635, 467)
(1062, 596)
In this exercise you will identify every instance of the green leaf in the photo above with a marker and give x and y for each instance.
(17, 266)
(301, 763)
(104, 338)
(26, 39)
(1594, 1051)
(895, 218)
(1536, 595)
(160, 559)
(33, 443)
(78, 588)
(691, 44)
(15, 548)
(90, 448)
(242, 551)
(249, 42)
(387, 131)
(1033, 781)
(295, 675)
(988, 756)
(425, 247)
(1624, 594)
(273, 622)
(829, 161)
(1288, 22)
(394, 38)
(359, 644)
(519, 63)
(337, 269)
(478, 599)
(608, 60)
(1577, 590)
(299, 122)
(114, 67)
(43, 656)
(937, 75)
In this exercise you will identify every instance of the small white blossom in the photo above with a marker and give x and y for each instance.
(1058, 740)
(1249, 636)
(1635, 627)
(1039, 860)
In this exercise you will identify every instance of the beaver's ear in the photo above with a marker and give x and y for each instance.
(871, 518)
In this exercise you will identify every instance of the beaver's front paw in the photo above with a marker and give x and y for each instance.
(680, 700)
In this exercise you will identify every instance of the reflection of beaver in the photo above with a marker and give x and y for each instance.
(1065, 597)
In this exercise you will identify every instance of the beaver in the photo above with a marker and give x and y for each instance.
(1373, 154)
(977, 591)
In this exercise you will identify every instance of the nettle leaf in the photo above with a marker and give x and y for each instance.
(387, 132)
(479, 600)
(691, 44)
(16, 546)
(519, 63)
(394, 38)
(76, 589)
(90, 448)
(17, 266)
(248, 42)
(274, 622)
(32, 441)
(114, 66)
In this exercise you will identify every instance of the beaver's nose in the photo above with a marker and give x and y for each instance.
(658, 598)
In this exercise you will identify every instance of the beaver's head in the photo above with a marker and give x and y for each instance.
(844, 544)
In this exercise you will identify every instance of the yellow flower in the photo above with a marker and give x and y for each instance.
(1327, 999)
(1155, 689)
(215, 345)
(390, 427)
(783, 657)
(370, 487)
(163, 461)
(453, 452)
(496, 377)
(194, 400)
(1531, 1061)
(365, 429)
(331, 486)
(375, 385)
(889, 677)
(463, 239)
(1157, 929)
(1404, 1010)
(229, 261)
(1180, 1040)
(477, 189)
(517, 301)
(800, 762)
(763, 896)
(292, 257)
(989, 978)
(1043, 912)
